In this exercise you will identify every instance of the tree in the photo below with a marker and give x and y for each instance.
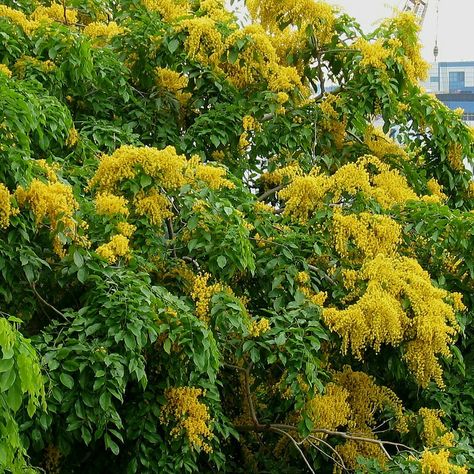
(220, 264)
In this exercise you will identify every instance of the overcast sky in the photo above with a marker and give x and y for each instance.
(455, 30)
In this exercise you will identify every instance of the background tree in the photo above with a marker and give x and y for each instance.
(220, 264)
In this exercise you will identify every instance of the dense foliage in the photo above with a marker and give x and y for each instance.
(211, 263)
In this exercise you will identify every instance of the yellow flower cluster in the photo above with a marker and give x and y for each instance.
(52, 201)
(330, 410)
(283, 174)
(436, 189)
(427, 328)
(434, 432)
(260, 206)
(371, 234)
(470, 189)
(380, 145)
(126, 229)
(170, 170)
(282, 97)
(331, 122)
(353, 449)
(49, 169)
(191, 416)
(55, 12)
(437, 462)
(203, 42)
(257, 328)
(19, 18)
(125, 163)
(5, 71)
(97, 29)
(215, 10)
(405, 28)
(212, 176)
(304, 195)
(154, 205)
(169, 9)
(173, 82)
(250, 123)
(6, 209)
(259, 60)
(24, 62)
(455, 156)
(72, 138)
(202, 293)
(366, 398)
(299, 15)
(117, 247)
(109, 204)
(316, 298)
(373, 54)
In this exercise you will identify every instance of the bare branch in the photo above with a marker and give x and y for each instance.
(47, 304)
(296, 446)
(270, 192)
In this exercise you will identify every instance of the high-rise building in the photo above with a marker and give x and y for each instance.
(453, 84)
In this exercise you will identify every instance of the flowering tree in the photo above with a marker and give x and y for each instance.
(219, 264)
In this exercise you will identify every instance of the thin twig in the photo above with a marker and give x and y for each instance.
(296, 446)
(341, 461)
(46, 303)
(169, 226)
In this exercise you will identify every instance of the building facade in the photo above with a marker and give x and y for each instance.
(453, 84)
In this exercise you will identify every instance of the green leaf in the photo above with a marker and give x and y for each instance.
(173, 45)
(221, 261)
(78, 259)
(66, 380)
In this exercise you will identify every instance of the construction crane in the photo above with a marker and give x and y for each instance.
(419, 8)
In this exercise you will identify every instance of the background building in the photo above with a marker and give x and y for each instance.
(453, 84)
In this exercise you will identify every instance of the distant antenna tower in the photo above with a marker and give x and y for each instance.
(435, 49)
(418, 8)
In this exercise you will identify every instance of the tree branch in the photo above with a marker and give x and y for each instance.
(47, 304)
(270, 192)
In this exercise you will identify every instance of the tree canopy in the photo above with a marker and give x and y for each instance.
(213, 259)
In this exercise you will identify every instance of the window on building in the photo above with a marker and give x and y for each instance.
(457, 81)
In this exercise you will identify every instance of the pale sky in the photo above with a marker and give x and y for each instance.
(455, 30)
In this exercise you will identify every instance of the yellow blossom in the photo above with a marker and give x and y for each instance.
(49, 169)
(55, 12)
(153, 205)
(257, 328)
(19, 18)
(117, 247)
(331, 409)
(436, 189)
(72, 138)
(373, 54)
(104, 30)
(370, 233)
(381, 145)
(109, 204)
(189, 415)
(169, 9)
(437, 462)
(6, 209)
(202, 293)
(5, 71)
(126, 229)
(173, 82)
(54, 202)
(427, 329)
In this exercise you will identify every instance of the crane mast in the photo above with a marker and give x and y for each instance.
(418, 8)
